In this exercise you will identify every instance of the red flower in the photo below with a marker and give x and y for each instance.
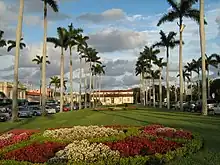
(36, 152)
(18, 135)
(132, 146)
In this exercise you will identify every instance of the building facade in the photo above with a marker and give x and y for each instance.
(114, 97)
(34, 95)
(6, 88)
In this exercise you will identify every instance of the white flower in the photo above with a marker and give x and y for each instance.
(6, 136)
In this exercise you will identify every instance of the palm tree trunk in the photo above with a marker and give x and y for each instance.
(154, 101)
(160, 88)
(198, 86)
(85, 86)
(191, 86)
(80, 83)
(61, 79)
(100, 83)
(16, 63)
(90, 84)
(208, 84)
(43, 82)
(202, 46)
(55, 92)
(93, 90)
(181, 63)
(71, 79)
(150, 91)
(167, 80)
(145, 92)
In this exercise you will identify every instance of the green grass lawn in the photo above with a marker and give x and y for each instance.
(207, 126)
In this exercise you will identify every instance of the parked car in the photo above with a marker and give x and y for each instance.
(55, 106)
(36, 110)
(66, 108)
(215, 110)
(5, 114)
(24, 112)
(189, 106)
(50, 110)
(210, 104)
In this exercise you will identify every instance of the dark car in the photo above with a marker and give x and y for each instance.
(36, 110)
(210, 104)
(5, 114)
(3, 117)
(24, 112)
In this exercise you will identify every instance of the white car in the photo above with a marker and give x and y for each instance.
(215, 109)
(50, 110)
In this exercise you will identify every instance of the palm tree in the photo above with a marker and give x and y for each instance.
(186, 76)
(202, 47)
(217, 59)
(179, 11)
(54, 6)
(189, 68)
(12, 44)
(2, 41)
(159, 62)
(196, 68)
(62, 42)
(39, 60)
(92, 58)
(56, 82)
(72, 34)
(16, 63)
(81, 48)
(98, 70)
(154, 75)
(209, 61)
(167, 41)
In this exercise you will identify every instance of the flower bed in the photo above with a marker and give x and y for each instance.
(81, 132)
(35, 153)
(15, 136)
(101, 145)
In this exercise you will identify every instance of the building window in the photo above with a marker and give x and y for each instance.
(128, 99)
(112, 100)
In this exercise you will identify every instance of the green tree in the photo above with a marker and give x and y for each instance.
(16, 63)
(73, 36)
(82, 46)
(2, 40)
(168, 42)
(179, 11)
(217, 59)
(189, 68)
(62, 42)
(39, 60)
(159, 62)
(54, 7)
(12, 44)
(56, 82)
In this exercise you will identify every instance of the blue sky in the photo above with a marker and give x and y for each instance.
(118, 29)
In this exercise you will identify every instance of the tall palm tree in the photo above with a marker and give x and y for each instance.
(167, 41)
(39, 60)
(217, 59)
(202, 47)
(189, 68)
(62, 42)
(17, 53)
(82, 47)
(196, 69)
(99, 71)
(154, 76)
(72, 34)
(186, 76)
(179, 11)
(2, 40)
(56, 82)
(54, 6)
(92, 58)
(159, 62)
(12, 44)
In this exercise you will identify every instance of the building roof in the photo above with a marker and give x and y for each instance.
(119, 90)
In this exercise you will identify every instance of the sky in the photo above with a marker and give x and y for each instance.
(118, 29)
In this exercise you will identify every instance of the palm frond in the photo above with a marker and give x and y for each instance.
(52, 4)
(173, 4)
(194, 14)
(169, 17)
(10, 48)
(54, 40)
